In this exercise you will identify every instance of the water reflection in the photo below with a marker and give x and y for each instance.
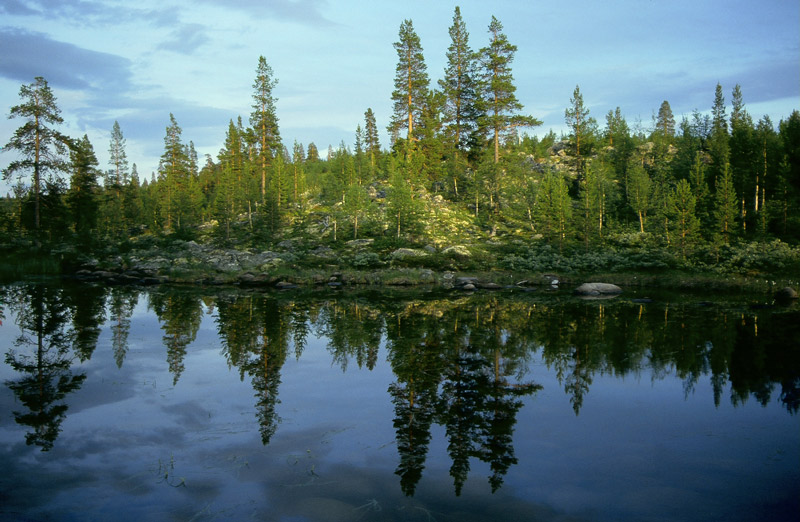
(41, 354)
(463, 364)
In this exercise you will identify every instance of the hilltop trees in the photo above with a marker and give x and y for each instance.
(457, 169)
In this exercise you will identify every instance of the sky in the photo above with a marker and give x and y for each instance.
(137, 62)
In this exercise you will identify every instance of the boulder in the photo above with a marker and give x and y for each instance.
(285, 285)
(598, 289)
(468, 286)
(457, 251)
(359, 243)
(405, 253)
(490, 286)
(786, 294)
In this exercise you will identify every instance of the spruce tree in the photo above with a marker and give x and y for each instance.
(264, 121)
(82, 196)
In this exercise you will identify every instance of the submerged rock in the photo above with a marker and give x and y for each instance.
(598, 289)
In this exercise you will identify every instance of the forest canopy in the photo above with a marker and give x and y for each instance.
(461, 168)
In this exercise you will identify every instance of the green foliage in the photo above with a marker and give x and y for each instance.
(410, 82)
(461, 174)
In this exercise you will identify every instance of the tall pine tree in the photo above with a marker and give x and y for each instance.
(410, 82)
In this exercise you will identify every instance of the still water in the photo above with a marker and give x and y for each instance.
(222, 404)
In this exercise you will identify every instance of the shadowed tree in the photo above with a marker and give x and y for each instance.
(82, 197)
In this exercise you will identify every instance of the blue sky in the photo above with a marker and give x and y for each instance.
(137, 62)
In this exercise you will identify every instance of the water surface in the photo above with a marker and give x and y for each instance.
(216, 404)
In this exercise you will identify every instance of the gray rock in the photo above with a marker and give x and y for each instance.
(598, 289)
(405, 253)
(461, 281)
(285, 285)
(458, 251)
(786, 294)
(490, 286)
(468, 286)
(358, 243)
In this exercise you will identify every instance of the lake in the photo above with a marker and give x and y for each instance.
(184, 403)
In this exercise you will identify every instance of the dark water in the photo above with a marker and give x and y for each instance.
(219, 404)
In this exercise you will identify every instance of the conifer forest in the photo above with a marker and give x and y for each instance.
(468, 178)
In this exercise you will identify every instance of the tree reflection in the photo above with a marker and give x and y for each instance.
(255, 331)
(43, 357)
(455, 365)
(463, 364)
(414, 342)
(122, 300)
(353, 330)
(180, 313)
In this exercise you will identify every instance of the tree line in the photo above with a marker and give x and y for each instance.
(710, 179)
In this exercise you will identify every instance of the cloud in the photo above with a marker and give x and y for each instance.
(28, 54)
(86, 12)
(304, 12)
(186, 39)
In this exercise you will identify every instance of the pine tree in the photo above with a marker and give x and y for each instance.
(553, 208)
(594, 194)
(356, 206)
(372, 144)
(725, 203)
(640, 191)
(410, 82)
(298, 172)
(117, 157)
(682, 207)
(665, 124)
(264, 121)
(499, 98)
(744, 165)
(179, 201)
(577, 118)
(718, 146)
(41, 146)
(461, 88)
(402, 210)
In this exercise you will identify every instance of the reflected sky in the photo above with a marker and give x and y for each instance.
(135, 445)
